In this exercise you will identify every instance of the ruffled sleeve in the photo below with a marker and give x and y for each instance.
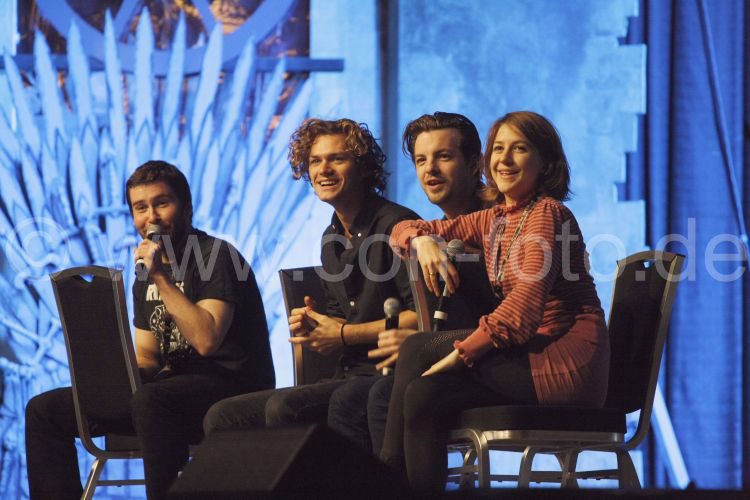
(468, 228)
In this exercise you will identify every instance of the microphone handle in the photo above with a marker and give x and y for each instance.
(391, 322)
(440, 316)
(140, 264)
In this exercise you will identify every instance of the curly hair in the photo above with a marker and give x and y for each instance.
(368, 155)
(554, 179)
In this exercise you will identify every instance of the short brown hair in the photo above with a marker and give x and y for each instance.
(554, 179)
(471, 144)
(161, 171)
(359, 141)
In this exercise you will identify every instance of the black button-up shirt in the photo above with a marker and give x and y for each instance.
(363, 272)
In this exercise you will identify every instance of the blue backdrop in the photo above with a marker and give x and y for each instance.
(74, 125)
(692, 170)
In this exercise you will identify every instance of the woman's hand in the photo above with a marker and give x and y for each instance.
(450, 363)
(434, 262)
(389, 343)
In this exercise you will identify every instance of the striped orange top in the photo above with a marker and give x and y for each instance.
(550, 303)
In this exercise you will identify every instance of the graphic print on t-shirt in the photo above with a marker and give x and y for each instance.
(172, 345)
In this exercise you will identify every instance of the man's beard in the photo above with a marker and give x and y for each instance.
(176, 239)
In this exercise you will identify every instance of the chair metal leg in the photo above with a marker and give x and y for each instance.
(483, 460)
(96, 470)
(524, 470)
(627, 477)
(467, 479)
(568, 461)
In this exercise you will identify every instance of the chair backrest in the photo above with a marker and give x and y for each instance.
(103, 370)
(642, 301)
(473, 299)
(309, 366)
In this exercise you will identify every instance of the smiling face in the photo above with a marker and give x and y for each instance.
(157, 203)
(334, 174)
(442, 170)
(516, 165)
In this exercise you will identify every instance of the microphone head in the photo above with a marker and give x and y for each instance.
(152, 230)
(391, 307)
(455, 247)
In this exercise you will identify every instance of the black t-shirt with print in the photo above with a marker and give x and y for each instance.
(210, 268)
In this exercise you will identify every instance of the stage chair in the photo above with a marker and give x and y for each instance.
(103, 369)
(309, 366)
(642, 301)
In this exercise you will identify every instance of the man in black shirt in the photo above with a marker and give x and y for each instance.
(447, 152)
(201, 336)
(344, 164)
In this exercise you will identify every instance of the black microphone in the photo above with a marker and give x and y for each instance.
(440, 316)
(152, 231)
(391, 308)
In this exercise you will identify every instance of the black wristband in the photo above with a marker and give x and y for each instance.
(343, 342)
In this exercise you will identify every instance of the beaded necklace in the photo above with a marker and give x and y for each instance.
(501, 272)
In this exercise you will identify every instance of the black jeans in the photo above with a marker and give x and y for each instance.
(290, 405)
(349, 414)
(423, 409)
(377, 411)
(166, 416)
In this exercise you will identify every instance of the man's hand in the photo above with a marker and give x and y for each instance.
(317, 331)
(389, 343)
(300, 324)
(150, 252)
(450, 363)
(434, 262)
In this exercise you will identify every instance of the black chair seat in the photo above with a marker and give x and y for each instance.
(540, 418)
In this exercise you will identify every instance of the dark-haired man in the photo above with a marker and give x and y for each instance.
(447, 153)
(344, 164)
(201, 336)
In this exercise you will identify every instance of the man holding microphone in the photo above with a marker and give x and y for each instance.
(200, 336)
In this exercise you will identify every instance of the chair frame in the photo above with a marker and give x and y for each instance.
(101, 456)
(285, 276)
(475, 444)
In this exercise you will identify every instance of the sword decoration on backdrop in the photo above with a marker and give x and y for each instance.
(77, 126)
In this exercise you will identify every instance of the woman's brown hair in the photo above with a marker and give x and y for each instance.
(554, 179)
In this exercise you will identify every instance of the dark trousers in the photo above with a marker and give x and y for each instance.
(166, 416)
(423, 409)
(377, 411)
(350, 416)
(291, 405)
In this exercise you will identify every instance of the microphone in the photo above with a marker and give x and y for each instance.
(391, 308)
(440, 316)
(152, 231)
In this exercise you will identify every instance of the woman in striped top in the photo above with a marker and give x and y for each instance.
(545, 343)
